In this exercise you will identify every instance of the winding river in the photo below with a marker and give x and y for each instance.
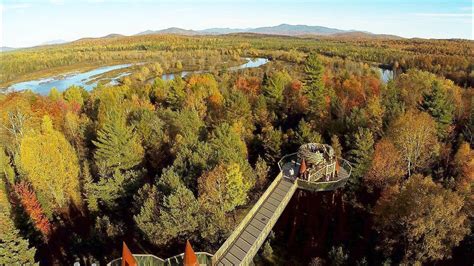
(88, 80)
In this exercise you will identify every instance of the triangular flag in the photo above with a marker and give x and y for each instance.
(190, 258)
(303, 167)
(127, 257)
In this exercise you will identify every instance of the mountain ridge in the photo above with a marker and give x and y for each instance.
(282, 29)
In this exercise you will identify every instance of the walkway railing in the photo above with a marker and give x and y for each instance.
(246, 219)
(338, 177)
(204, 258)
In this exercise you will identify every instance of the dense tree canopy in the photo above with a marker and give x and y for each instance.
(156, 161)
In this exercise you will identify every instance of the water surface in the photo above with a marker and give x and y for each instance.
(88, 80)
(85, 79)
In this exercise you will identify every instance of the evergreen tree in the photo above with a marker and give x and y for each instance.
(336, 145)
(437, 104)
(169, 212)
(361, 154)
(314, 87)
(314, 70)
(118, 148)
(14, 249)
(305, 134)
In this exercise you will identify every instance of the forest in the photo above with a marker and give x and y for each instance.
(81, 171)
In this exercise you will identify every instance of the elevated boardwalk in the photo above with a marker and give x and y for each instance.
(245, 241)
(323, 173)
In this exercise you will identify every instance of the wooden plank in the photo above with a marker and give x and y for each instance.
(266, 212)
(257, 224)
(253, 230)
(276, 197)
(241, 243)
(267, 205)
(281, 190)
(225, 262)
(278, 193)
(238, 252)
(232, 258)
(261, 218)
(273, 201)
(248, 237)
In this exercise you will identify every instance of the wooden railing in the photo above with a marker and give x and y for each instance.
(314, 184)
(268, 227)
(204, 258)
(246, 219)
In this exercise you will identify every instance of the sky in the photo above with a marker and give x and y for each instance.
(29, 23)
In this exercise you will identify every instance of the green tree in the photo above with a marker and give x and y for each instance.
(336, 145)
(422, 220)
(14, 249)
(169, 213)
(362, 153)
(414, 135)
(305, 134)
(54, 94)
(314, 70)
(74, 94)
(438, 105)
(271, 140)
(276, 85)
(261, 171)
(337, 256)
(118, 148)
(314, 88)
(52, 167)
(224, 187)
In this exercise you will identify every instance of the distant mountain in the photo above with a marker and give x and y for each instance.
(6, 49)
(58, 41)
(114, 35)
(172, 30)
(365, 35)
(282, 29)
(295, 30)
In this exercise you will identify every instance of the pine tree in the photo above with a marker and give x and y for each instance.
(314, 87)
(118, 148)
(305, 134)
(314, 70)
(437, 104)
(14, 249)
(336, 145)
(169, 212)
(361, 155)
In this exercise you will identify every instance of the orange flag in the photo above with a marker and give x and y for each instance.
(190, 258)
(127, 257)
(303, 167)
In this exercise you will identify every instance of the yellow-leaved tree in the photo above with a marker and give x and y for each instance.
(52, 167)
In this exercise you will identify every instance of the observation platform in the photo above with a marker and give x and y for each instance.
(314, 167)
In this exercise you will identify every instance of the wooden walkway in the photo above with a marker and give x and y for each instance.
(240, 248)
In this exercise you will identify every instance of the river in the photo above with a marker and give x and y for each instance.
(88, 80)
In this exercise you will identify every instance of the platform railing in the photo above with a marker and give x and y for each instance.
(204, 258)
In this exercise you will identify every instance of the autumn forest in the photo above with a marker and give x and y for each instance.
(138, 161)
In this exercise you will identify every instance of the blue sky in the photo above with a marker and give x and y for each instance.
(28, 23)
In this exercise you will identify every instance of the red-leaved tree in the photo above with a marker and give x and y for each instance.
(33, 208)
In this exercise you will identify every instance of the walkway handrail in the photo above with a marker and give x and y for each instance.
(246, 219)
(135, 256)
